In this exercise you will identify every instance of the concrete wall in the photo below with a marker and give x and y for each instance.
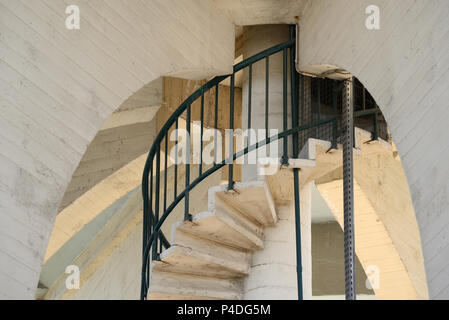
(109, 262)
(255, 40)
(58, 86)
(255, 12)
(328, 262)
(404, 65)
(118, 278)
(125, 135)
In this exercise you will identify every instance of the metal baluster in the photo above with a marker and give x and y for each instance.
(175, 187)
(250, 80)
(156, 206)
(267, 86)
(151, 219)
(165, 171)
(165, 181)
(187, 215)
(201, 134)
(216, 124)
(348, 191)
(285, 140)
(231, 138)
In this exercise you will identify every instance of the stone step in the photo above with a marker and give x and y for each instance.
(251, 199)
(226, 226)
(197, 256)
(166, 285)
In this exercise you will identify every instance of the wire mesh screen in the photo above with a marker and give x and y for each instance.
(364, 101)
(322, 98)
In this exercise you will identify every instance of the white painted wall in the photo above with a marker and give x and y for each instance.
(255, 12)
(404, 65)
(58, 86)
(125, 135)
(118, 277)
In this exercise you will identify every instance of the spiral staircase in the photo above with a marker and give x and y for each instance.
(209, 253)
(210, 256)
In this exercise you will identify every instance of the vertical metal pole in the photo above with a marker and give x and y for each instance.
(348, 190)
(187, 215)
(157, 199)
(294, 104)
(250, 80)
(284, 115)
(175, 187)
(215, 124)
(231, 138)
(267, 94)
(201, 135)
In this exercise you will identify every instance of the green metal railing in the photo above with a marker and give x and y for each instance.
(157, 207)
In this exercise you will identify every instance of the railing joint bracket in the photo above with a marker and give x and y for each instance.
(188, 218)
(331, 148)
(232, 191)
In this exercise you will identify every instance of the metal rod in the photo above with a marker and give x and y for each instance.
(201, 135)
(250, 80)
(294, 106)
(215, 124)
(156, 205)
(187, 216)
(298, 233)
(348, 191)
(267, 88)
(165, 171)
(285, 116)
(366, 112)
(175, 187)
(231, 138)
(151, 222)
